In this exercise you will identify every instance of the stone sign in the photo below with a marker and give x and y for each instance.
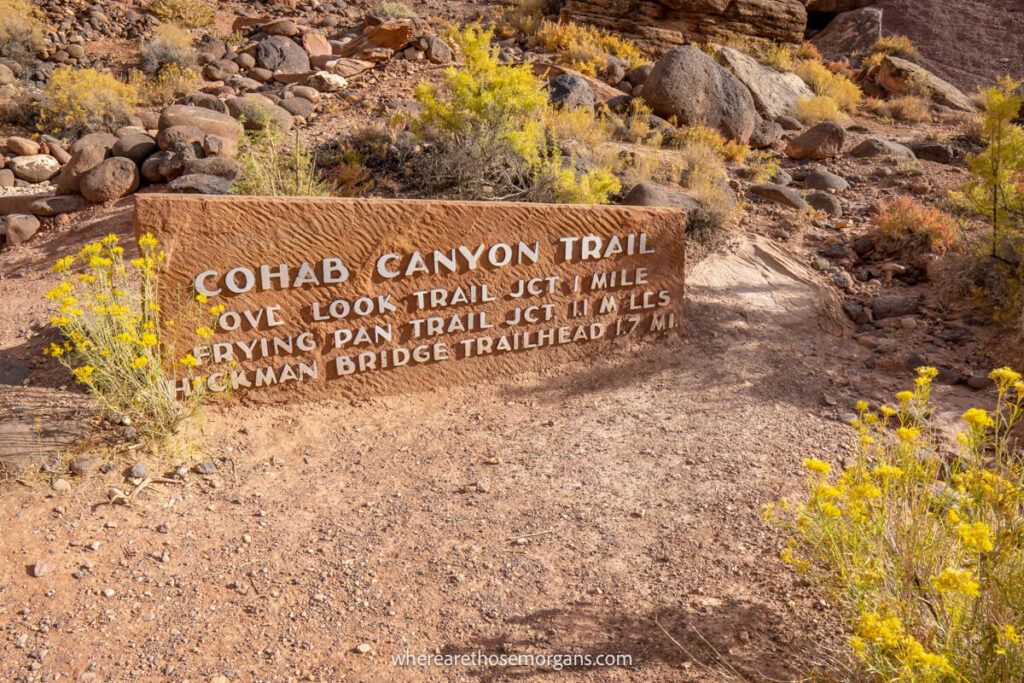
(358, 297)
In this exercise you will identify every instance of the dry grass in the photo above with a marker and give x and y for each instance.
(185, 13)
(22, 26)
(912, 227)
(274, 165)
(812, 110)
(826, 83)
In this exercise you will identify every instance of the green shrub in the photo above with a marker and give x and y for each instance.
(21, 30)
(274, 165)
(86, 100)
(920, 540)
(185, 13)
(493, 133)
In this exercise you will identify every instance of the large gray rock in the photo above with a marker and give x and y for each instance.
(653, 194)
(875, 146)
(48, 207)
(775, 93)
(689, 85)
(823, 179)
(216, 166)
(19, 228)
(199, 183)
(571, 90)
(282, 54)
(903, 77)
(820, 142)
(258, 111)
(209, 121)
(850, 33)
(823, 201)
(113, 178)
(135, 146)
(35, 168)
(86, 153)
(779, 194)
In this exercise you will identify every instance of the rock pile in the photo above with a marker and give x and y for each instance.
(280, 74)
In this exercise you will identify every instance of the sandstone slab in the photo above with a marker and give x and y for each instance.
(388, 296)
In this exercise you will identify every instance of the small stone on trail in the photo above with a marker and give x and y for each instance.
(42, 568)
(830, 399)
(109, 592)
(364, 648)
(204, 468)
(60, 485)
(138, 471)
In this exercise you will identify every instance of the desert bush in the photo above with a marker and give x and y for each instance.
(997, 190)
(897, 46)
(394, 10)
(700, 134)
(108, 316)
(171, 44)
(84, 100)
(275, 165)
(825, 83)
(908, 224)
(820, 108)
(524, 18)
(586, 48)
(777, 56)
(909, 108)
(920, 540)
(18, 106)
(493, 134)
(185, 13)
(168, 84)
(21, 30)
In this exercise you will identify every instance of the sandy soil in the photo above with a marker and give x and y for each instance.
(635, 480)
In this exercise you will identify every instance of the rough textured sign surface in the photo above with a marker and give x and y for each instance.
(357, 297)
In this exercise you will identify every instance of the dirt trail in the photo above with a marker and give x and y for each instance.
(637, 481)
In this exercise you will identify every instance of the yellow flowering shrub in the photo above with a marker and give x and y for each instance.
(169, 83)
(812, 110)
(497, 129)
(77, 101)
(22, 26)
(826, 83)
(185, 13)
(105, 309)
(922, 545)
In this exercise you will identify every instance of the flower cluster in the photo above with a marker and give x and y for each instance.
(923, 548)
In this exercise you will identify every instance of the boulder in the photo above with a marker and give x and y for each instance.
(660, 25)
(393, 35)
(218, 166)
(200, 183)
(823, 201)
(570, 90)
(298, 106)
(892, 306)
(789, 123)
(875, 146)
(304, 91)
(903, 77)
(47, 207)
(135, 146)
(775, 93)
(934, 151)
(281, 27)
(691, 86)
(207, 120)
(315, 44)
(206, 101)
(779, 194)
(653, 194)
(819, 142)
(347, 67)
(823, 179)
(766, 133)
(151, 167)
(6, 178)
(19, 227)
(259, 111)
(850, 33)
(36, 168)
(325, 81)
(281, 54)
(55, 148)
(438, 51)
(180, 135)
(21, 146)
(113, 178)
